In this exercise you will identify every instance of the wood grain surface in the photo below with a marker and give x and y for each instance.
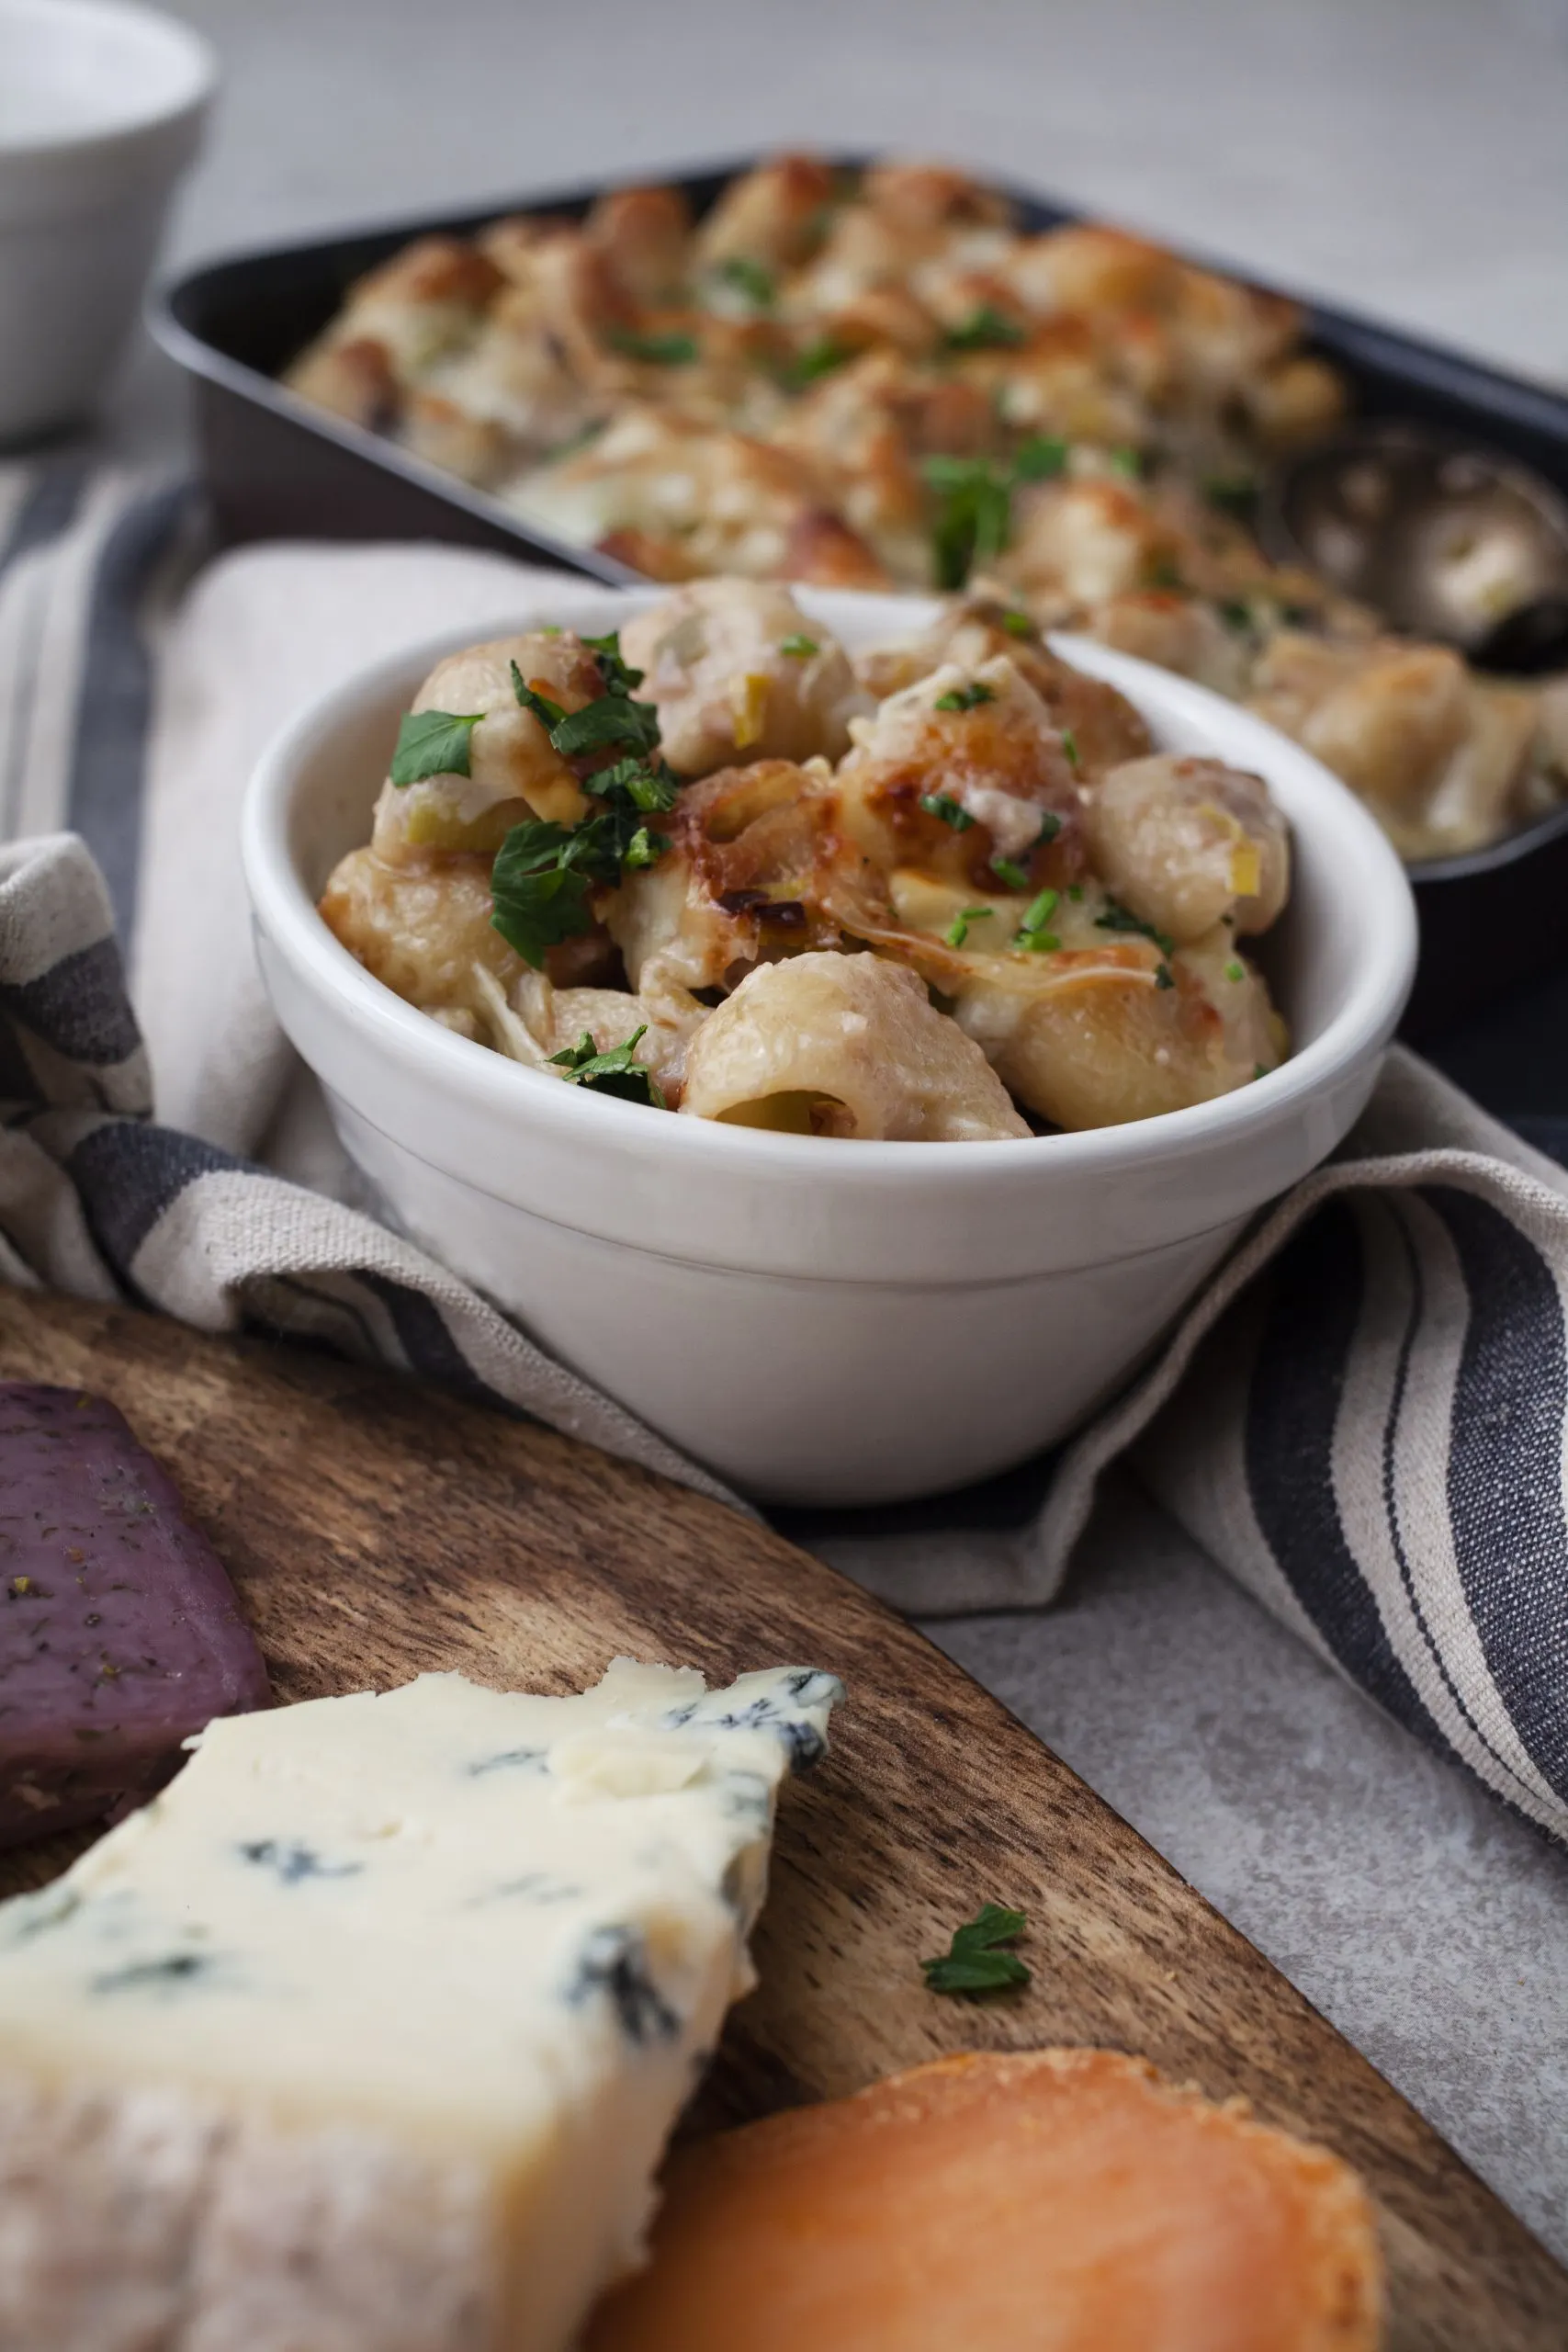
(374, 1529)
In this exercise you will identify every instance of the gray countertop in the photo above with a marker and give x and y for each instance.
(1405, 157)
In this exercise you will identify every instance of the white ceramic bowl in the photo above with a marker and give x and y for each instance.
(101, 108)
(822, 1321)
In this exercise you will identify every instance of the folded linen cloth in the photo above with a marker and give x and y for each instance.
(1363, 1418)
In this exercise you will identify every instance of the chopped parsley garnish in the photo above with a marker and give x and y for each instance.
(432, 743)
(1234, 972)
(973, 515)
(976, 1961)
(968, 697)
(939, 804)
(543, 872)
(1236, 615)
(974, 505)
(569, 447)
(1232, 493)
(1164, 572)
(613, 718)
(1018, 625)
(649, 786)
(1050, 826)
(800, 648)
(1127, 462)
(1075, 892)
(539, 885)
(1120, 917)
(1163, 977)
(1032, 933)
(818, 358)
(750, 278)
(1258, 1071)
(548, 713)
(614, 1073)
(659, 350)
(958, 931)
(1070, 746)
(619, 677)
(985, 329)
(1039, 458)
(1007, 870)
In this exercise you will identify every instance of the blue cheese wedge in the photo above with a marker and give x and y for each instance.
(366, 2034)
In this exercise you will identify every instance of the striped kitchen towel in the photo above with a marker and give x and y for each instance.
(1364, 1419)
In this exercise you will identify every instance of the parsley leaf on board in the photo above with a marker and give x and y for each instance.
(612, 1073)
(968, 697)
(939, 804)
(1120, 917)
(975, 1961)
(432, 743)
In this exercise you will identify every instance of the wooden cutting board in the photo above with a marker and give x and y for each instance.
(374, 1529)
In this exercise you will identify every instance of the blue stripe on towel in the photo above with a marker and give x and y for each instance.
(129, 1174)
(427, 1341)
(47, 511)
(1315, 1307)
(79, 1007)
(49, 506)
(1505, 1477)
(110, 757)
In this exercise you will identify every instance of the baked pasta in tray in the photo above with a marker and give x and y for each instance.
(948, 891)
(877, 380)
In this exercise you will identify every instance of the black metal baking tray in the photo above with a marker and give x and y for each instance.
(275, 468)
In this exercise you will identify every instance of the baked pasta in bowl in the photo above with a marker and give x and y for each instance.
(636, 947)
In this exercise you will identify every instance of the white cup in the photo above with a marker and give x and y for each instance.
(101, 108)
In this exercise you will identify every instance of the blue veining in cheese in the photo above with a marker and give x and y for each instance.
(369, 2031)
